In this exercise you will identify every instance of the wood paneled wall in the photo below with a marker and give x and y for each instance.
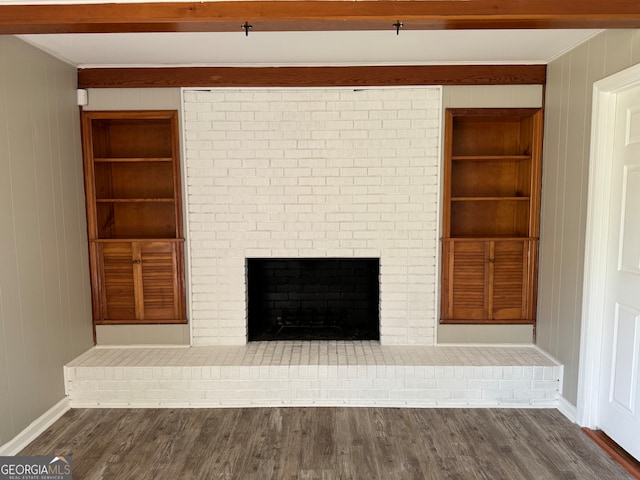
(565, 170)
(45, 304)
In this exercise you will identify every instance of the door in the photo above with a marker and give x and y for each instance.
(619, 404)
(118, 299)
(486, 281)
(509, 279)
(464, 280)
(141, 282)
(159, 291)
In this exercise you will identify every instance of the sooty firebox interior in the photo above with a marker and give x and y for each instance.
(313, 298)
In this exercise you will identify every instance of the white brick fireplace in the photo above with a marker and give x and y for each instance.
(312, 173)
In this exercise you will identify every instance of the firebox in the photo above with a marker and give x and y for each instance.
(313, 298)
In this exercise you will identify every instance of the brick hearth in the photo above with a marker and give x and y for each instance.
(331, 373)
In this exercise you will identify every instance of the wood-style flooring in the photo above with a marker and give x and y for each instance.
(325, 443)
(605, 442)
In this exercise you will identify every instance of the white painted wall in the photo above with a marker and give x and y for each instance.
(45, 299)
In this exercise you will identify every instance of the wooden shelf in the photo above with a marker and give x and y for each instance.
(480, 158)
(491, 321)
(136, 219)
(489, 217)
(135, 180)
(493, 199)
(473, 238)
(134, 216)
(135, 200)
(138, 239)
(490, 177)
(132, 159)
(144, 321)
(490, 208)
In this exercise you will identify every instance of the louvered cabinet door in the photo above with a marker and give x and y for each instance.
(465, 296)
(488, 281)
(141, 282)
(117, 282)
(509, 261)
(160, 292)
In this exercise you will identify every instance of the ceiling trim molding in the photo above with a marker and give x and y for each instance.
(317, 15)
(311, 76)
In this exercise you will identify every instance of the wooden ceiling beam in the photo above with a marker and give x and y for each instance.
(317, 15)
(311, 76)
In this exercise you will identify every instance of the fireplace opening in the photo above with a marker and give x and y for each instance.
(313, 299)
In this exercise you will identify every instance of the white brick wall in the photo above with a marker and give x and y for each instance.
(313, 173)
(307, 374)
(214, 386)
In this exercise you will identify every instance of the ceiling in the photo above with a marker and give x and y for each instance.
(411, 47)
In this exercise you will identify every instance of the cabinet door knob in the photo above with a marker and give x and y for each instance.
(135, 262)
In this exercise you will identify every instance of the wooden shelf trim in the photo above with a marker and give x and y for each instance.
(131, 159)
(494, 238)
(135, 200)
(493, 113)
(138, 240)
(278, 15)
(359, 76)
(488, 199)
(136, 321)
(489, 157)
(491, 321)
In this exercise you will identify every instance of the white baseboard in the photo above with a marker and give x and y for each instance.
(567, 409)
(244, 403)
(39, 425)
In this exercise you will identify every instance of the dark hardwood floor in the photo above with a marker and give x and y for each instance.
(325, 443)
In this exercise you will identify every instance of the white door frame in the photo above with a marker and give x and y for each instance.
(605, 94)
